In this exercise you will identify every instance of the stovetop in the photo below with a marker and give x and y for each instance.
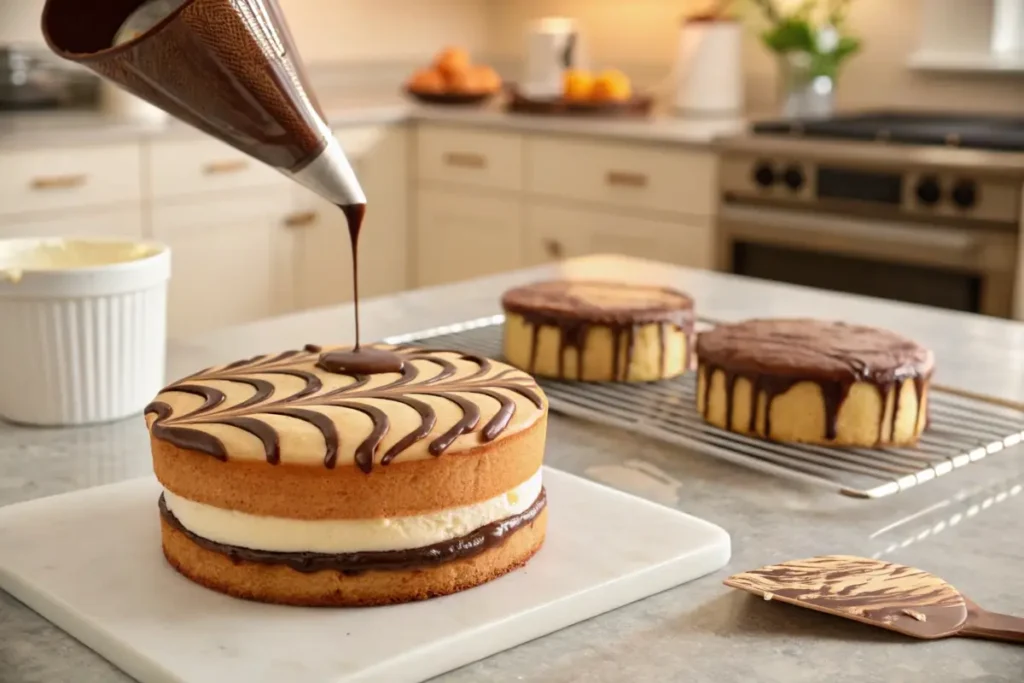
(970, 131)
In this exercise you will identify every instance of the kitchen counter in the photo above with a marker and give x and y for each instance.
(966, 526)
(348, 108)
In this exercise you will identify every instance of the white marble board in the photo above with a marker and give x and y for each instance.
(90, 562)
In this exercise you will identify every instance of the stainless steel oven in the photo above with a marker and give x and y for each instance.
(879, 227)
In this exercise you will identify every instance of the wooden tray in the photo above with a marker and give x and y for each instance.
(638, 106)
(457, 99)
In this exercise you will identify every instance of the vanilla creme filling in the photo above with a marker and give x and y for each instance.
(335, 536)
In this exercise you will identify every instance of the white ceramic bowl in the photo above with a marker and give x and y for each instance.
(83, 328)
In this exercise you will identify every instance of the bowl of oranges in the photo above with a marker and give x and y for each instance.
(608, 92)
(453, 78)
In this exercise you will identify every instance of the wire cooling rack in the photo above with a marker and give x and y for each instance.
(962, 429)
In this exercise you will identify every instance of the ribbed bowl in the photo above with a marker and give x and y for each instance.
(83, 327)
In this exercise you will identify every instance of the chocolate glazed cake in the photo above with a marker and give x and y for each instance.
(288, 480)
(598, 331)
(812, 381)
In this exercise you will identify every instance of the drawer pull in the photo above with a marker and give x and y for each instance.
(626, 179)
(223, 167)
(301, 219)
(58, 182)
(465, 160)
(554, 249)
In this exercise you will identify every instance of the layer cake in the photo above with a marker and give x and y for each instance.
(814, 381)
(598, 331)
(289, 480)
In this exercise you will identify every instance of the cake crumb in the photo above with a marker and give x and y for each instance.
(768, 596)
(916, 615)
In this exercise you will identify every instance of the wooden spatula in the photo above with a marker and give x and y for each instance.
(893, 596)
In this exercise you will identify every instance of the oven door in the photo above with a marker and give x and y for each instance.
(967, 269)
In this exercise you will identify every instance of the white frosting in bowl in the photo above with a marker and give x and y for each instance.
(20, 256)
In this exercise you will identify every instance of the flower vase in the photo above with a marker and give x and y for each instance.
(805, 93)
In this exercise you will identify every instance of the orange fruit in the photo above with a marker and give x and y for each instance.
(612, 86)
(451, 61)
(577, 84)
(485, 79)
(428, 81)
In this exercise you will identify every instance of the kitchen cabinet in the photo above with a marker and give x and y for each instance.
(630, 176)
(489, 202)
(462, 235)
(127, 221)
(322, 256)
(69, 178)
(231, 259)
(555, 233)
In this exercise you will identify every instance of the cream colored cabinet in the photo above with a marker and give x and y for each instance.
(126, 221)
(462, 235)
(322, 256)
(554, 233)
(631, 176)
(231, 259)
(69, 178)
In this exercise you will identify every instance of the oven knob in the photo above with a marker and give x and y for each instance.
(929, 191)
(764, 174)
(965, 194)
(793, 177)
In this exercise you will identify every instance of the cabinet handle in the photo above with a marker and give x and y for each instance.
(626, 179)
(465, 160)
(59, 182)
(222, 167)
(554, 249)
(300, 219)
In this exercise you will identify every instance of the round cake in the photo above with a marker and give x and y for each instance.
(814, 381)
(598, 331)
(288, 480)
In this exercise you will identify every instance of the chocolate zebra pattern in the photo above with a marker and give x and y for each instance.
(891, 595)
(460, 379)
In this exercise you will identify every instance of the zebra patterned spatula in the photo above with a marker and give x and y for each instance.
(893, 596)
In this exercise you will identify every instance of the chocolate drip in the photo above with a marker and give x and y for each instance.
(661, 351)
(471, 544)
(358, 361)
(183, 431)
(775, 355)
(554, 304)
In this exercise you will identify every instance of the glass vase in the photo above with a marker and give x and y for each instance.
(805, 94)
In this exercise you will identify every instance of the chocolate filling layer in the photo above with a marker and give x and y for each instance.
(350, 564)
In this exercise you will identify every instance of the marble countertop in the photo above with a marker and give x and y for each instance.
(965, 527)
(351, 108)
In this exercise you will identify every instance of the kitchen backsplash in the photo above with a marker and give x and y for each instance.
(640, 36)
(645, 32)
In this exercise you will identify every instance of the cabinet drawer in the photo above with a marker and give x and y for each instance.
(470, 157)
(556, 233)
(460, 236)
(123, 221)
(183, 167)
(678, 180)
(66, 178)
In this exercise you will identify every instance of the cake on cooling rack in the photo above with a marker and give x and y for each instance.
(598, 331)
(287, 482)
(814, 381)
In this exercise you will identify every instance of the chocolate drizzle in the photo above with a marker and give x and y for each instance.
(775, 355)
(408, 387)
(471, 544)
(358, 360)
(575, 307)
